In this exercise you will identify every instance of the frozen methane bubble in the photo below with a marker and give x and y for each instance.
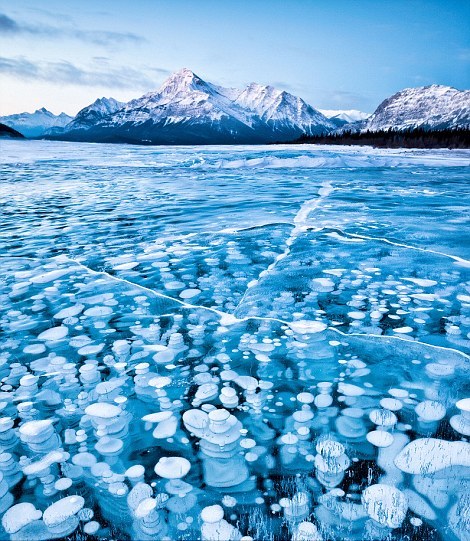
(383, 418)
(380, 438)
(91, 528)
(391, 404)
(348, 389)
(428, 455)
(60, 517)
(50, 276)
(331, 462)
(461, 423)
(429, 413)
(20, 515)
(39, 436)
(173, 467)
(307, 327)
(385, 504)
(430, 410)
(215, 527)
(70, 311)
(55, 334)
(189, 293)
(306, 531)
(296, 509)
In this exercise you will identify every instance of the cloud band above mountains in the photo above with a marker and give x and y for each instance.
(10, 27)
(63, 72)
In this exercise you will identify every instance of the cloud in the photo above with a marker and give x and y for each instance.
(161, 71)
(464, 55)
(7, 24)
(97, 37)
(67, 73)
(345, 100)
(285, 86)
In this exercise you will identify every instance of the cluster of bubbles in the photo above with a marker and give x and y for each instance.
(134, 415)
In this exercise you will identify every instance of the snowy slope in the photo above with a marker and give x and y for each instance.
(37, 123)
(189, 110)
(183, 96)
(347, 115)
(430, 107)
(90, 115)
(281, 110)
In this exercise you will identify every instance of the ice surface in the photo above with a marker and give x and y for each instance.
(197, 351)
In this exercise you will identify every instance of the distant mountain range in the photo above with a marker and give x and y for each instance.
(37, 123)
(341, 118)
(188, 110)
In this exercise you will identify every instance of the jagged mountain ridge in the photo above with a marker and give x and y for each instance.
(341, 117)
(37, 123)
(431, 107)
(94, 113)
(188, 110)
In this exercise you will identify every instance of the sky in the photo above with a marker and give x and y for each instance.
(335, 54)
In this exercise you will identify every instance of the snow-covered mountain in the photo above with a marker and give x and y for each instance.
(281, 110)
(94, 113)
(37, 123)
(430, 107)
(188, 110)
(341, 117)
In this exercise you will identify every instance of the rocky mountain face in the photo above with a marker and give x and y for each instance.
(93, 114)
(188, 110)
(430, 107)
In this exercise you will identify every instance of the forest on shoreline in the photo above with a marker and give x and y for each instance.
(412, 138)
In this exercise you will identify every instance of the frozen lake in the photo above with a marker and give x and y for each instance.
(281, 331)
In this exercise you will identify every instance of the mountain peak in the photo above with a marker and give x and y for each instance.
(429, 107)
(182, 79)
(94, 112)
(184, 72)
(103, 101)
(345, 115)
(188, 110)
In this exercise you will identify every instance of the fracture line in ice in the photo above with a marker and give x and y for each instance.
(235, 230)
(401, 339)
(460, 260)
(225, 318)
(457, 259)
(229, 319)
(300, 225)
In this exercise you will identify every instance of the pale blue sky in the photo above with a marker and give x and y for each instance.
(62, 54)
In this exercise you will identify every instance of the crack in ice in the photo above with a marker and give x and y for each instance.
(457, 259)
(300, 226)
(228, 319)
